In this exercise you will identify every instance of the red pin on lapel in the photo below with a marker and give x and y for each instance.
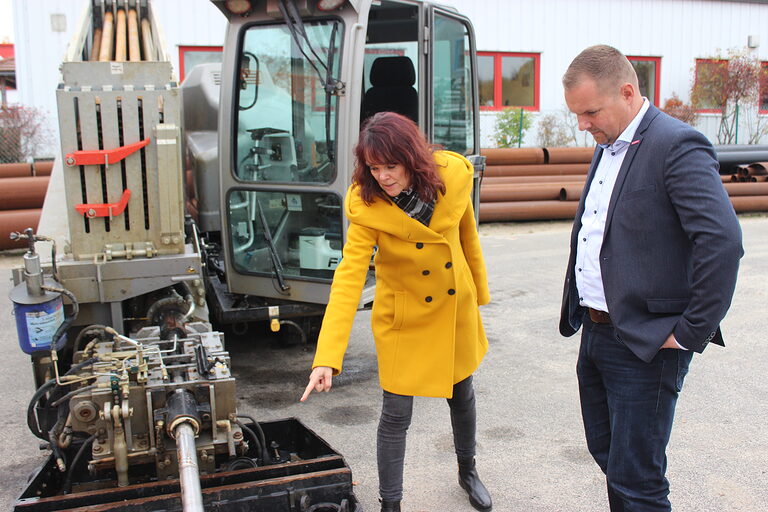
(634, 142)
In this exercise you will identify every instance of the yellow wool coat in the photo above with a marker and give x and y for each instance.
(429, 284)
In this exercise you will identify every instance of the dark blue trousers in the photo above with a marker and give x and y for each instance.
(628, 407)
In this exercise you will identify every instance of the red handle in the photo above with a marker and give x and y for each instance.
(106, 209)
(103, 156)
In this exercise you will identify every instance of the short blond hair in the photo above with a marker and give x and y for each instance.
(604, 64)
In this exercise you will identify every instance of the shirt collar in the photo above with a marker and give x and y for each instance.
(629, 132)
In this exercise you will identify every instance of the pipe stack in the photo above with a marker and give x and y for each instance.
(22, 192)
(527, 183)
(547, 183)
(122, 37)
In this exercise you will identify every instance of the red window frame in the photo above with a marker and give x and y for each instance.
(696, 78)
(657, 80)
(497, 56)
(186, 49)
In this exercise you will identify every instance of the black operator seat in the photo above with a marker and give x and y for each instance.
(392, 80)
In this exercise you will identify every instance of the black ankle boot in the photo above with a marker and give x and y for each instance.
(479, 497)
(390, 506)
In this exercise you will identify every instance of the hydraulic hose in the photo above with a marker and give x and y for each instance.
(263, 439)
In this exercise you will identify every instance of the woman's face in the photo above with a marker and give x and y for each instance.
(392, 178)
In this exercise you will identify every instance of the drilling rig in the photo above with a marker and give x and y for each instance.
(216, 202)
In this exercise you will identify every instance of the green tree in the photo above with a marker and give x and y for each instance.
(511, 125)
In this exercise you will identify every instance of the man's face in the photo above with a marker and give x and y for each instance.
(603, 113)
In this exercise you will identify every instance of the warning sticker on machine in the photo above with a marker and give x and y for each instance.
(42, 325)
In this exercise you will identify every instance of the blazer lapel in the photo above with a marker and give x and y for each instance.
(637, 141)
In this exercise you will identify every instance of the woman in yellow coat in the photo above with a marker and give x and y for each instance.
(413, 208)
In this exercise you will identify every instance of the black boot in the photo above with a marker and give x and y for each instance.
(390, 506)
(479, 497)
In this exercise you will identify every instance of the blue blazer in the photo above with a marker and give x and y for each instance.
(671, 246)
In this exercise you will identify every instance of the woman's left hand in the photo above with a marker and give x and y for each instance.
(320, 379)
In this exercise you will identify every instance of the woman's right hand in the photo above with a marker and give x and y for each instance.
(320, 380)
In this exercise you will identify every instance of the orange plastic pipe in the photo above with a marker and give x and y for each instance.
(15, 170)
(527, 210)
(566, 178)
(519, 192)
(536, 170)
(507, 156)
(744, 204)
(569, 155)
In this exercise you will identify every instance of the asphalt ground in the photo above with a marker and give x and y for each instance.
(531, 451)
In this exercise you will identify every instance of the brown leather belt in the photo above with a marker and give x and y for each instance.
(599, 317)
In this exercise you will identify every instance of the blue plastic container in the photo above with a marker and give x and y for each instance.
(37, 323)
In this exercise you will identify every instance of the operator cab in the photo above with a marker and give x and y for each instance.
(297, 82)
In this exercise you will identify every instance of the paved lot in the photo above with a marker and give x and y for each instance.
(531, 450)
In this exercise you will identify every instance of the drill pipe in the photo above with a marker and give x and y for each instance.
(147, 46)
(527, 210)
(107, 35)
(96, 45)
(134, 48)
(121, 37)
(536, 170)
(189, 473)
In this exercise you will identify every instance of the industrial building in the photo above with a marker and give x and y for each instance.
(523, 48)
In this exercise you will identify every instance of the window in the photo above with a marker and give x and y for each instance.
(191, 56)
(711, 76)
(648, 70)
(508, 80)
(452, 89)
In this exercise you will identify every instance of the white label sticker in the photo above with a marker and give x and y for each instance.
(116, 68)
(42, 325)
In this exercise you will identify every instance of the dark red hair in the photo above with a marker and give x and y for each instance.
(389, 138)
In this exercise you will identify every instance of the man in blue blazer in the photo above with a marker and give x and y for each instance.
(655, 250)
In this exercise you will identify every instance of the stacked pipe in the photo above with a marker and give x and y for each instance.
(528, 183)
(22, 192)
(122, 37)
(546, 183)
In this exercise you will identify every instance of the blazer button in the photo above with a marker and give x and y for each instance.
(428, 298)
(448, 265)
(419, 245)
(451, 291)
(425, 272)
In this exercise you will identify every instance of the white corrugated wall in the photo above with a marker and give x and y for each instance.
(678, 31)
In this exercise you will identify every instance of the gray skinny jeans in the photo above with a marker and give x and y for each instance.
(395, 419)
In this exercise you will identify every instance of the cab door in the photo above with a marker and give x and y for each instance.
(452, 108)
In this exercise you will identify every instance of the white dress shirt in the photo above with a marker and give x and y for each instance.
(589, 280)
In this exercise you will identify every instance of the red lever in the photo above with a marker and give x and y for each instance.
(106, 209)
(103, 156)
